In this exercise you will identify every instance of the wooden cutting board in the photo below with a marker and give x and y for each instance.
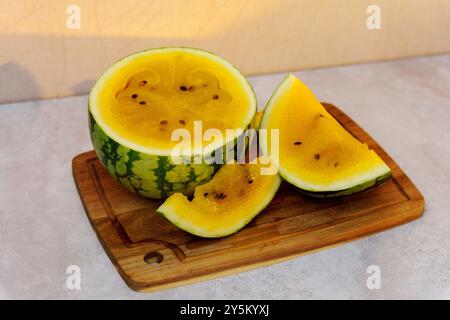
(150, 253)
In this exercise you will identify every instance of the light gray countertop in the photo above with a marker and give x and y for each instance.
(404, 105)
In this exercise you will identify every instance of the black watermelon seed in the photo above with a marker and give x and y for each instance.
(183, 88)
(143, 82)
(317, 156)
(182, 122)
(134, 96)
(205, 194)
(142, 102)
(250, 181)
(297, 143)
(163, 122)
(216, 96)
(220, 196)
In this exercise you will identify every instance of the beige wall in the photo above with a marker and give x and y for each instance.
(40, 57)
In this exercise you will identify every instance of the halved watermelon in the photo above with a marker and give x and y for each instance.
(316, 154)
(224, 205)
(136, 105)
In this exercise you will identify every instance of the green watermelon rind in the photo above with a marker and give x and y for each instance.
(151, 176)
(365, 186)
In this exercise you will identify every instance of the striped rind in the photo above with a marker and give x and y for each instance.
(151, 176)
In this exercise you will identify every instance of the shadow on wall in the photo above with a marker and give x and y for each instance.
(51, 67)
(17, 83)
(66, 62)
(271, 37)
(82, 87)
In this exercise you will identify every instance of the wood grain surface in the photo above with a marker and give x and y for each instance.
(150, 253)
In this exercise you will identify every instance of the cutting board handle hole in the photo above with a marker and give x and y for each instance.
(153, 257)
